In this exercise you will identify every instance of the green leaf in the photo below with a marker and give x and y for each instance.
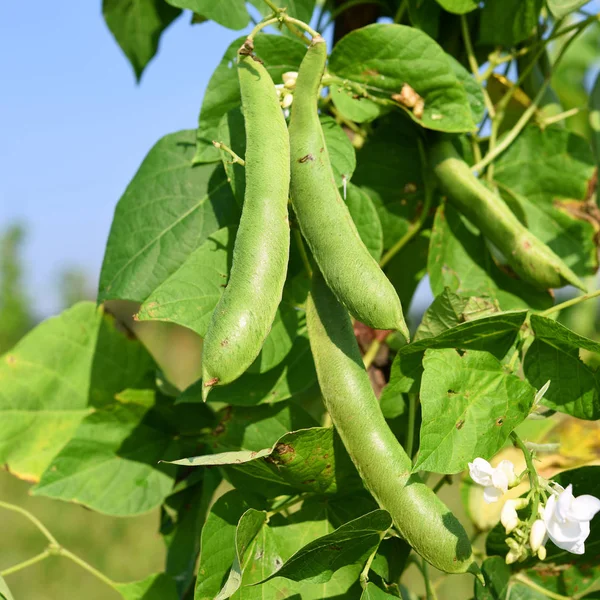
(4, 591)
(232, 133)
(546, 175)
(116, 448)
(372, 592)
(359, 110)
(365, 218)
(386, 56)
(449, 310)
(153, 587)
(279, 53)
(340, 149)
(508, 22)
(459, 260)
(554, 356)
(137, 26)
(182, 518)
(55, 376)
(294, 376)
(217, 546)
(392, 179)
(425, 15)
(250, 523)
(299, 9)
(189, 296)
(594, 118)
(561, 8)
(231, 14)
(309, 460)
(257, 427)
(459, 7)
(472, 88)
(168, 210)
(494, 334)
(497, 580)
(469, 406)
(351, 543)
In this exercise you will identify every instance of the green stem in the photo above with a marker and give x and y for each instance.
(538, 588)
(33, 519)
(84, 565)
(416, 226)
(302, 250)
(410, 433)
(401, 10)
(234, 156)
(272, 6)
(280, 13)
(572, 302)
(371, 353)
(262, 25)
(301, 24)
(364, 574)
(429, 591)
(440, 484)
(561, 116)
(534, 480)
(473, 63)
(26, 563)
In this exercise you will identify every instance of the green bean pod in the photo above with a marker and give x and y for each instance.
(348, 267)
(418, 514)
(530, 258)
(244, 315)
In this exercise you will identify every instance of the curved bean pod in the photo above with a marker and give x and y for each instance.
(243, 317)
(418, 514)
(348, 267)
(531, 259)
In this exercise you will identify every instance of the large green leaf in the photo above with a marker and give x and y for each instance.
(561, 8)
(168, 210)
(508, 22)
(294, 376)
(425, 15)
(372, 592)
(137, 26)
(494, 334)
(389, 170)
(153, 587)
(308, 460)
(545, 176)
(229, 13)
(352, 543)
(497, 580)
(472, 88)
(384, 57)
(111, 462)
(554, 356)
(459, 7)
(460, 261)
(279, 53)
(469, 406)
(55, 376)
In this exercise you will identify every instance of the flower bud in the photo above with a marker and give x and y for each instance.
(542, 552)
(287, 101)
(537, 536)
(289, 79)
(508, 516)
(512, 557)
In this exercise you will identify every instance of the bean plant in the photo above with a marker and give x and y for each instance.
(349, 155)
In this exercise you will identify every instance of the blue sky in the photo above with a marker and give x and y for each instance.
(75, 126)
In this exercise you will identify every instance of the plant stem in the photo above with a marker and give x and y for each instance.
(410, 433)
(440, 484)
(371, 353)
(234, 156)
(279, 12)
(84, 565)
(26, 563)
(534, 480)
(364, 574)
(572, 302)
(561, 116)
(302, 250)
(400, 12)
(33, 519)
(262, 25)
(416, 226)
(473, 64)
(429, 591)
(272, 6)
(538, 588)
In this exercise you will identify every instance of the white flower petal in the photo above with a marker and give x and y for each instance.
(537, 535)
(509, 470)
(583, 508)
(492, 494)
(500, 480)
(481, 471)
(563, 504)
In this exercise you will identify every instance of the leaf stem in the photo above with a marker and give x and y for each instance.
(364, 574)
(84, 565)
(34, 520)
(429, 591)
(26, 563)
(538, 588)
(416, 226)
(473, 64)
(440, 484)
(234, 156)
(302, 250)
(561, 116)
(571, 302)
(401, 10)
(410, 432)
(371, 353)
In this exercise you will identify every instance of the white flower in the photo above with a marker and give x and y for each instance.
(289, 79)
(537, 535)
(567, 519)
(508, 516)
(495, 480)
(287, 101)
